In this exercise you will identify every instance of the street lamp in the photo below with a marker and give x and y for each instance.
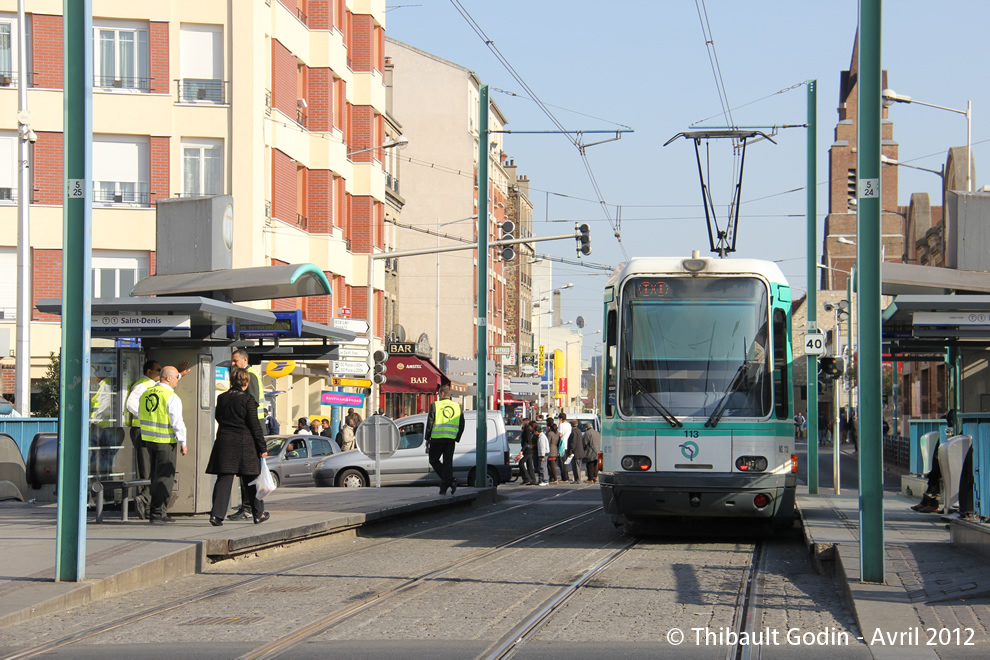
(890, 97)
(388, 145)
(891, 161)
(839, 310)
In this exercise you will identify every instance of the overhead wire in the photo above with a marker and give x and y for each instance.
(476, 27)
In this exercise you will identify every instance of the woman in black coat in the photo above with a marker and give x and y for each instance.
(239, 447)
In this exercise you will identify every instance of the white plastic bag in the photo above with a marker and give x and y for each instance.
(264, 483)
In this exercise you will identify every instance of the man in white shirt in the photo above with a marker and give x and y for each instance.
(564, 428)
(162, 428)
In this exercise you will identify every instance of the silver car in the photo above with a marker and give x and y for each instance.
(291, 458)
(410, 466)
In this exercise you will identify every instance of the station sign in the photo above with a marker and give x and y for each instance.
(342, 399)
(117, 322)
(358, 326)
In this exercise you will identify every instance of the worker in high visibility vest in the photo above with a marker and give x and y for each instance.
(152, 374)
(444, 427)
(239, 359)
(162, 428)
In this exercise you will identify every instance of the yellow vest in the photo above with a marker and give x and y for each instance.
(94, 402)
(131, 420)
(155, 423)
(256, 387)
(446, 420)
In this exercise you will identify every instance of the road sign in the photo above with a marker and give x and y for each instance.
(338, 352)
(345, 311)
(357, 342)
(350, 382)
(359, 326)
(468, 367)
(342, 399)
(814, 343)
(346, 367)
(377, 437)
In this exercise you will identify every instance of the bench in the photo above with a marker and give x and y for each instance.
(99, 487)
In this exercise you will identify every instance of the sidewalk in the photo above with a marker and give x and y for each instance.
(123, 556)
(930, 581)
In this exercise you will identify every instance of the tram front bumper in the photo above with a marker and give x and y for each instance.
(641, 496)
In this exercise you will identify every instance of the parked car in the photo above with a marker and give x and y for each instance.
(291, 458)
(581, 418)
(410, 464)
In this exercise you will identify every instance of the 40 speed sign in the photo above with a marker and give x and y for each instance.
(814, 343)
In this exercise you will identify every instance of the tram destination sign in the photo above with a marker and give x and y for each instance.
(120, 322)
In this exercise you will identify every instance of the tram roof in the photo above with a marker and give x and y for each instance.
(675, 265)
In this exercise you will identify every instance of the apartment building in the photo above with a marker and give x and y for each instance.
(278, 103)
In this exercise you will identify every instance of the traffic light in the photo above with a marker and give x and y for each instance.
(508, 251)
(583, 239)
(830, 368)
(378, 375)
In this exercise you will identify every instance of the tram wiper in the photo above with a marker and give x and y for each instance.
(666, 414)
(723, 403)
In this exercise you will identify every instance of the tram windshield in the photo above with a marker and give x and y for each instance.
(695, 347)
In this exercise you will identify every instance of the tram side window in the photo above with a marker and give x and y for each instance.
(611, 362)
(781, 386)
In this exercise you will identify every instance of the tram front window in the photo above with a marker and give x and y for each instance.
(695, 345)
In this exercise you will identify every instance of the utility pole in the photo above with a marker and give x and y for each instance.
(22, 371)
(812, 306)
(481, 464)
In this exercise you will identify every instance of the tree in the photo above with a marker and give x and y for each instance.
(51, 387)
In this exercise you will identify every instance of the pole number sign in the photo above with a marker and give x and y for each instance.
(814, 343)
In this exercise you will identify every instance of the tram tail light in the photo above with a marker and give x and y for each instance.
(794, 464)
(601, 462)
(761, 500)
(636, 463)
(751, 463)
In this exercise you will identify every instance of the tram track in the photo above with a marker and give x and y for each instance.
(749, 613)
(235, 587)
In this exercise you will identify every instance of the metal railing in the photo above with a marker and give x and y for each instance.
(201, 90)
(118, 196)
(302, 221)
(268, 102)
(302, 118)
(301, 16)
(897, 450)
(110, 82)
(392, 182)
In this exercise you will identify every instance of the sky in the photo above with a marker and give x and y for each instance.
(645, 65)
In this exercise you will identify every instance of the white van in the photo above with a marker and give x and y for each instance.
(410, 464)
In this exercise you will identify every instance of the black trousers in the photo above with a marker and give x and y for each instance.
(162, 466)
(442, 461)
(143, 462)
(221, 495)
(528, 469)
(577, 466)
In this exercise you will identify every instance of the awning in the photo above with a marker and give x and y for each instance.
(410, 374)
(240, 284)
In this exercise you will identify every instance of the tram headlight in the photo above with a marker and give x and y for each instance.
(751, 463)
(636, 463)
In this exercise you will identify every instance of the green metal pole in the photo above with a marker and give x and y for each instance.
(77, 207)
(871, 543)
(481, 463)
(812, 360)
(849, 339)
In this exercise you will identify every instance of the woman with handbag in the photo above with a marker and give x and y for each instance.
(239, 447)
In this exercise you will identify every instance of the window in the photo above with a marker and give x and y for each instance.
(320, 447)
(201, 64)
(115, 272)
(120, 170)
(202, 168)
(411, 436)
(121, 57)
(780, 365)
(8, 166)
(8, 49)
(8, 282)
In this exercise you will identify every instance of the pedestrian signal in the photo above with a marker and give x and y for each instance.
(583, 239)
(830, 368)
(378, 375)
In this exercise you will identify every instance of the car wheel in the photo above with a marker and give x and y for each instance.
(351, 479)
(278, 482)
(490, 482)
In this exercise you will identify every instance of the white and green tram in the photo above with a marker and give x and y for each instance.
(697, 420)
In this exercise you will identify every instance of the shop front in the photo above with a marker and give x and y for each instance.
(411, 385)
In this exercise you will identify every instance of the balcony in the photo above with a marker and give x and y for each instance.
(302, 221)
(121, 192)
(302, 118)
(392, 182)
(201, 90)
(110, 82)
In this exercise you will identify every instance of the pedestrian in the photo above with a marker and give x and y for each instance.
(444, 427)
(542, 454)
(325, 431)
(152, 374)
(528, 445)
(302, 427)
(799, 423)
(346, 441)
(555, 466)
(239, 447)
(592, 447)
(564, 429)
(843, 427)
(575, 446)
(162, 429)
(271, 424)
(854, 430)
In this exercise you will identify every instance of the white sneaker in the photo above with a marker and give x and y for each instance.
(543, 483)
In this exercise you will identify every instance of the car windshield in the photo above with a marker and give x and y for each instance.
(275, 445)
(694, 345)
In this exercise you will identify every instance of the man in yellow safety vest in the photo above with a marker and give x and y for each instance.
(444, 426)
(162, 428)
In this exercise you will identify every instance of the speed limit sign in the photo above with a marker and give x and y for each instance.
(814, 343)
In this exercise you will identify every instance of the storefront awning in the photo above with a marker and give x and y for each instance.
(410, 374)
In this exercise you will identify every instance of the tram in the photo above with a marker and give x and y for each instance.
(697, 387)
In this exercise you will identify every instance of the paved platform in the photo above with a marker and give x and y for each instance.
(121, 556)
(931, 582)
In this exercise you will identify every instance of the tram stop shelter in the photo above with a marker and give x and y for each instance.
(192, 317)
